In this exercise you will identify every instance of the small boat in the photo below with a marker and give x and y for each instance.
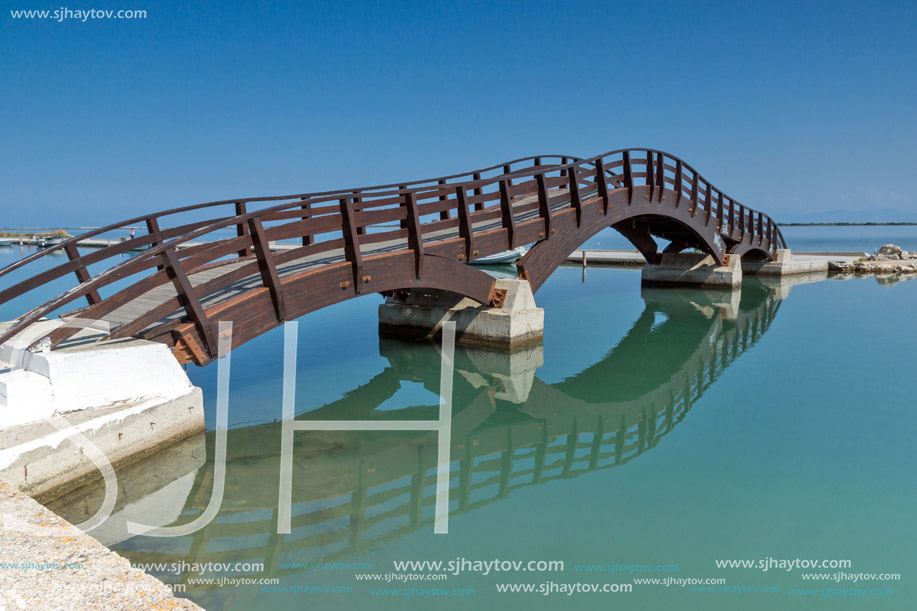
(48, 242)
(507, 256)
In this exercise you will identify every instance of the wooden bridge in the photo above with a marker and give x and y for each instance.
(369, 489)
(209, 262)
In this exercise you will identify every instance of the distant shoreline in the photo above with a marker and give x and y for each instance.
(844, 224)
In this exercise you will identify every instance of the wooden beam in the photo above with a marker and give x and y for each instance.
(188, 298)
(266, 266)
(307, 237)
(544, 204)
(415, 235)
(466, 230)
(351, 243)
(443, 214)
(679, 182)
(81, 274)
(242, 229)
(628, 178)
(601, 184)
(575, 201)
(506, 210)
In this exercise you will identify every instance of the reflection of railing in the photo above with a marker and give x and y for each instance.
(493, 461)
(193, 265)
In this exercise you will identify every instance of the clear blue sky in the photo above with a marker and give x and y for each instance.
(789, 107)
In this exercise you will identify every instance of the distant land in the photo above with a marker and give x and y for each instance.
(874, 216)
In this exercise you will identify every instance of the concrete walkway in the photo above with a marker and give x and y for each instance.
(47, 563)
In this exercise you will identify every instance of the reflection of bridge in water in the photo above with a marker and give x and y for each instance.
(510, 430)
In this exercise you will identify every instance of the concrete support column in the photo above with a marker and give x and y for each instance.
(683, 269)
(518, 322)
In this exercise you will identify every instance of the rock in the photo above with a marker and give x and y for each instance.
(890, 252)
(840, 266)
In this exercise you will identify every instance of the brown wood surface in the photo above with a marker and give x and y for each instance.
(356, 241)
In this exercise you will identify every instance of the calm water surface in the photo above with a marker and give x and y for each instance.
(654, 427)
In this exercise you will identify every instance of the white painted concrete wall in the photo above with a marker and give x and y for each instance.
(35, 386)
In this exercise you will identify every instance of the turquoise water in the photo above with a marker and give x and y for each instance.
(666, 429)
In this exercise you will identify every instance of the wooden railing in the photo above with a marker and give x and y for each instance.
(354, 220)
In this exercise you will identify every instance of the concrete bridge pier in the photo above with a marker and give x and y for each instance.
(421, 313)
(784, 264)
(686, 269)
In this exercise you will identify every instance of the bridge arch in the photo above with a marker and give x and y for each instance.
(288, 255)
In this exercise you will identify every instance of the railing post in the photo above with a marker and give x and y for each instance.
(466, 231)
(415, 235)
(266, 267)
(741, 222)
(732, 216)
(188, 299)
(601, 184)
(152, 228)
(404, 221)
(563, 162)
(242, 229)
(506, 210)
(719, 213)
(443, 214)
(575, 201)
(506, 170)
(760, 228)
(477, 191)
(82, 274)
(679, 181)
(693, 207)
(708, 204)
(544, 204)
(357, 210)
(650, 179)
(660, 175)
(628, 178)
(307, 239)
(351, 243)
